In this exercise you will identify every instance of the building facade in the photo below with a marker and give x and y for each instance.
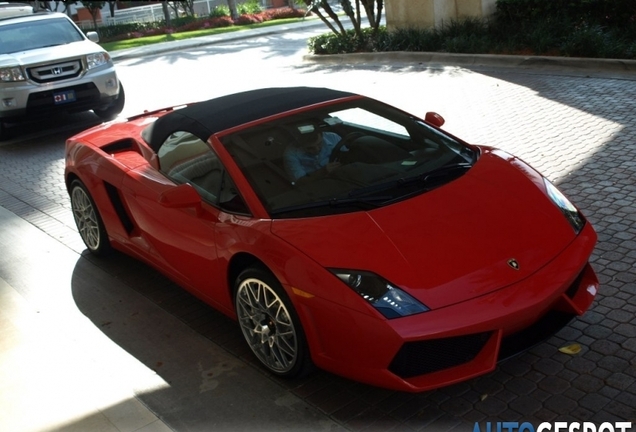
(434, 13)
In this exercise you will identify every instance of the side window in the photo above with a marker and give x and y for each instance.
(184, 158)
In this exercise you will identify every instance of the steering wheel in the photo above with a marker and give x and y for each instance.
(347, 139)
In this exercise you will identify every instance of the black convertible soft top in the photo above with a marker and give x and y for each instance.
(204, 119)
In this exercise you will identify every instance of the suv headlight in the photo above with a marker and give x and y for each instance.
(12, 74)
(97, 59)
(570, 212)
(385, 297)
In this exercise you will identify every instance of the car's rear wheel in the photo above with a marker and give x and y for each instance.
(89, 222)
(270, 324)
(113, 110)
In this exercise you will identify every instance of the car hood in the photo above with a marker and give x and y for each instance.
(55, 54)
(450, 244)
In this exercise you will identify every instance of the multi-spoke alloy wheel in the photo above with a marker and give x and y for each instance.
(87, 219)
(269, 324)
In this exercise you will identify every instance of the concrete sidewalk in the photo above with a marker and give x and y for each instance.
(51, 356)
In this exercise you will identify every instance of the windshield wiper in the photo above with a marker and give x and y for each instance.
(426, 177)
(50, 45)
(441, 172)
(364, 203)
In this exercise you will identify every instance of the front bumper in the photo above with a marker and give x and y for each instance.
(465, 340)
(426, 357)
(26, 99)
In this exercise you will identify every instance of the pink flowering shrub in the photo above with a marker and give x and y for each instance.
(246, 19)
(110, 33)
(284, 12)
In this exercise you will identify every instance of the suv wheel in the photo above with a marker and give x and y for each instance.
(113, 111)
(4, 135)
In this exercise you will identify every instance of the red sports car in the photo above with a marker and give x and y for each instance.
(339, 232)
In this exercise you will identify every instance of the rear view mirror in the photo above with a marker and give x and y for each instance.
(434, 119)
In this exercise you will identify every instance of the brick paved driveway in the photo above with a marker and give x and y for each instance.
(579, 131)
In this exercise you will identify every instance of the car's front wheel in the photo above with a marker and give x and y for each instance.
(89, 222)
(270, 325)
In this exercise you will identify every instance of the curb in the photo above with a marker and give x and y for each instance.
(615, 65)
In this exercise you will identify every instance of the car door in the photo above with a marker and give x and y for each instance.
(175, 210)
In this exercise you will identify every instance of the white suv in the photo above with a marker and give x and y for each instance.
(47, 64)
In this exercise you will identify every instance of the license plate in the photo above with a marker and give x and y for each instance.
(64, 97)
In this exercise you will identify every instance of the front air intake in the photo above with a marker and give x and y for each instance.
(424, 357)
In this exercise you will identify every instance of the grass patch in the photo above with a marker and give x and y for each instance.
(151, 40)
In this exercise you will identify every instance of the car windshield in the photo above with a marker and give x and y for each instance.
(29, 35)
(351, 156)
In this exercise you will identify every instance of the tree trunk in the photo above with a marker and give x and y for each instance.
(233, 10)
(111, 8)
(166, 12)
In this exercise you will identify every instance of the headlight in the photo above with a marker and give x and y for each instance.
(385, 297)
(11, 74)
(570, 212)
(97, 59)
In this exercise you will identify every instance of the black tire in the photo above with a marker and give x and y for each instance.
(88, 220)
(4, 135)
(270, 324)
(113, 110)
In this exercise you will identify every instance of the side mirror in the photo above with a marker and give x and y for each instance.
(434, 119)
(92, 36)
(180, 196)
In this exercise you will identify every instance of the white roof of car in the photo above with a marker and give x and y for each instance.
(14, 9)
(31, 17)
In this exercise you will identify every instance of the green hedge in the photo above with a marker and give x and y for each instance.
(576, 28)
(113, 31)
(614, 13)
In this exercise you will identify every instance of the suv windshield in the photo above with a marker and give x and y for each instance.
(345, 157)
(33, 34)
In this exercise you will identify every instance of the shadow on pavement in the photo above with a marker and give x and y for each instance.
(54, 127)
(197, 384)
